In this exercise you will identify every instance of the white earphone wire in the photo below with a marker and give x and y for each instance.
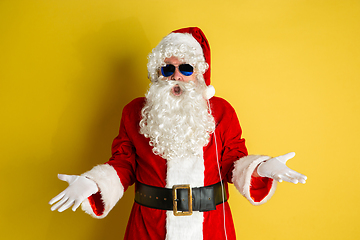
(221, 181)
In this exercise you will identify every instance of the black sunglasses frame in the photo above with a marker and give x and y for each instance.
(185, 69)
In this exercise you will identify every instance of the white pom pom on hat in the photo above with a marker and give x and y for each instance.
(209, 92)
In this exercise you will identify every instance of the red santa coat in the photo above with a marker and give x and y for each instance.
(133, 160)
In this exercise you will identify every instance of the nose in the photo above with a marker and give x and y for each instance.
(177, 75)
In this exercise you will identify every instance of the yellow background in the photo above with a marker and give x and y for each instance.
(290, 68)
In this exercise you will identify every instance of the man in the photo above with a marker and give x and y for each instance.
(180, 146)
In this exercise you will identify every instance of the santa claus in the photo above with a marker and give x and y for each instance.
(180, 146)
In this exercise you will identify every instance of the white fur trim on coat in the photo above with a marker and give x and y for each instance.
(110, 187)
(243, 169)
(185, 171)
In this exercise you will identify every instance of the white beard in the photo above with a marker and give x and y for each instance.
(178, 126)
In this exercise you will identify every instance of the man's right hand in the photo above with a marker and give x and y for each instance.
(79, 189)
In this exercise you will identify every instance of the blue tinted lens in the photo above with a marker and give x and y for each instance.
(186, 69)
(168, 70)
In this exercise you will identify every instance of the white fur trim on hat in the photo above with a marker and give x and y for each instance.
(183, 38)
(243, 169)
(110, 187)
(209, 92)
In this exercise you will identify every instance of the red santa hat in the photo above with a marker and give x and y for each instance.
(199, 36)
(199, 49)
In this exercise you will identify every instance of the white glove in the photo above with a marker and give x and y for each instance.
(79, 189)
(275, 168)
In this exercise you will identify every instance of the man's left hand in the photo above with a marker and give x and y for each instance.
(276, 168)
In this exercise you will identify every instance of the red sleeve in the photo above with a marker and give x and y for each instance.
(123, 154)
(97, 204)
(228, 132)
(260, 188)
(122, 160)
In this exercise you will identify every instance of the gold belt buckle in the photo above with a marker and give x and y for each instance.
(174, 188)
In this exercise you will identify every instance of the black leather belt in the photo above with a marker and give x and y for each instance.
(178, 198)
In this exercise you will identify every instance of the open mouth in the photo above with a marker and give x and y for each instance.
(176, 90)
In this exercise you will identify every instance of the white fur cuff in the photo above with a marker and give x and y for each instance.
(110, 187)
(243, 169)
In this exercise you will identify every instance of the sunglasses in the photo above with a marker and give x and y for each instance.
(169, 69)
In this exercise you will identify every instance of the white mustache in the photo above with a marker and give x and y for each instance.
(183, 87)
